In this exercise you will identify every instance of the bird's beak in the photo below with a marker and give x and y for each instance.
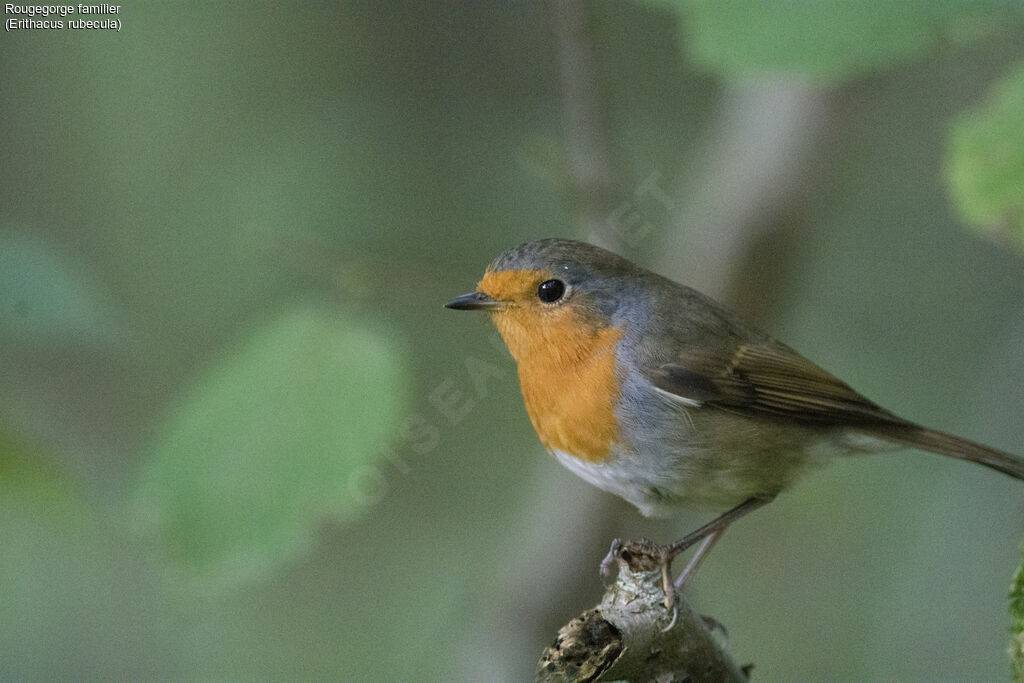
(474, 301)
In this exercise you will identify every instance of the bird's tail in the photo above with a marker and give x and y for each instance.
(934, 441)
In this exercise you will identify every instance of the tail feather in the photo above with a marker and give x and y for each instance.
(934, 441)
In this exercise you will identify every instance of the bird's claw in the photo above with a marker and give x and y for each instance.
(675, 616)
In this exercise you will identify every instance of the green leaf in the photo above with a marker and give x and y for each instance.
(276, 435)
(1016, 649)
(985, 165)
(825, 42)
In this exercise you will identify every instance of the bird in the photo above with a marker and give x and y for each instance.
(656, 393)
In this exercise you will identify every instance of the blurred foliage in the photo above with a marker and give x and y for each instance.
(37, 488)
(168, 410)
(278, 434)
(827, 42)
(73, 599)
(986, 160)
(835, 41)
(1016, 650)
(45, 299)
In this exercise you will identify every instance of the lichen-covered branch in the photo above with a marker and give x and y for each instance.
(631, 635)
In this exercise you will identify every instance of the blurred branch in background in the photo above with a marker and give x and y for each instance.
(752, 166)
(592, 180)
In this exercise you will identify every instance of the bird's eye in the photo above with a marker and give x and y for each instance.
(550, 291)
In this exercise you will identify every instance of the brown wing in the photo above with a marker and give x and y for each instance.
(766, 379)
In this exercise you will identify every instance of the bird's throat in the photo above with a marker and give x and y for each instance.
(568, 379)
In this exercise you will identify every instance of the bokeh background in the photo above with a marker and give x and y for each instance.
(241, 438)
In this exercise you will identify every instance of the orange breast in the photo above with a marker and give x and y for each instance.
(568, 379)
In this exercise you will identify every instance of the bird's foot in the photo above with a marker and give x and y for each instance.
(643, 555)
(609, 560)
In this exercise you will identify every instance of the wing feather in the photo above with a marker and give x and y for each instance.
(767, 379)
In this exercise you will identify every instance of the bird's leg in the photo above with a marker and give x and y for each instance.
(709, 534)
(661, 556)
(698, 556)
(717, 524)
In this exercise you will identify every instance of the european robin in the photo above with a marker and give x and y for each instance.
(654, 392)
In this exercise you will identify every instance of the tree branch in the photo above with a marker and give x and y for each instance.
(632, 636)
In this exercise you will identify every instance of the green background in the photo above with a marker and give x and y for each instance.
(240, 437)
